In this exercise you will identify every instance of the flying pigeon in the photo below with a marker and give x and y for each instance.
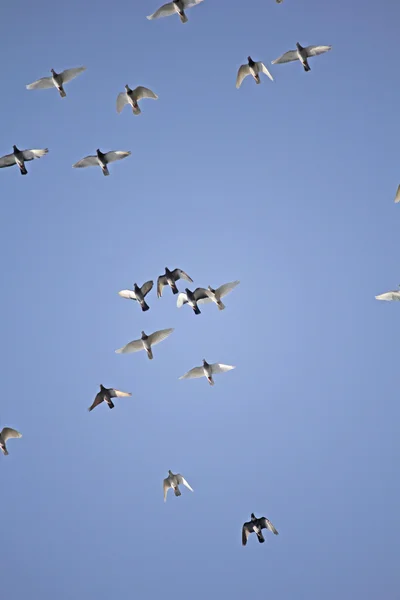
(252, 68)
(207, 370)
(132, 96)
(256, 525)
(177, 6)
(20, 157)
(105, 395)
(192, 298)
(216, 295)
(301, 54)
(7, 434)
(389, 296)
(57, 80)
(169, 278)
(138, 294)
(397, 198)
(101, 160)
(145, 342)
(173, 481)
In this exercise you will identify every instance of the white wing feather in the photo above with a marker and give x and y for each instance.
(44, 83)
(159, 336)
(122, 100)
(134, 346)
(264, 70)
(219, 368)
(88, 161)
(115, 155)
(389, 296)
(164, 11)
(129, 294)
(194, 373)
(316, 50)
(69, 74)
(182, 299)
(7, 433)
(244, 70)
(287, 57)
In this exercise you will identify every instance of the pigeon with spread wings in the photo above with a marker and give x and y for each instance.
(138, 294)
(7, 434)
(207, 370)
(20, 157)
(101, 160)
(175, 7)
(105, 395)
(254, 69)
(255, 526)
(191, 298)
(132, 97)
(173, 481)
(302, 54)
(169, 278)
(145, 342)
(216, 295)
(57, 80)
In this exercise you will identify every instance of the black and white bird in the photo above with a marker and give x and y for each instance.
(302, 54)
(145, 342)
(207, 370)
(7, 434)
(216, 295)
(191, 298)
(392, 296)
(256, 526)
(170, 278)
(101, 160)
(57, 80)
(20, 157)
(105, 395)
(138, 294)
(175, 7)
(254, 69)
(174, 480)
(132, 97)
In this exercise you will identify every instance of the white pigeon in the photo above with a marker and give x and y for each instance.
(132, 97)
(207, 370)
(20, 157)
(57, 80)
(216, 295)
(175, 7)
(397, 198)
(145, 342)
(252, 68)
(173, 481)
(101, 160)
(389, 296)
(301, 54)
(7, 434)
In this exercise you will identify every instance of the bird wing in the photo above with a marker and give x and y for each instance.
(166, 10)
(315, 50)
(88, 161)
(166, 486)
(117, 394)
(287, 57)
(179, 274)
(8, 433)
(144, 92)
(182, 299)
(114, 155)
(244, 70)
(190, 3)
(122, 99)
(219, 368)
(226, 288)
(389, 296)
(134, 346)
(98, 400)
(182, 480)
(7, 161)
(194, 373)
(247, 529)
(35, 153)
(161, 281)
(159, 336)
(397, 198)
(41, 84)
(200, 294)
(69, 74)
(129, 294)
(264, 69)
(266, 524)
(147, 287)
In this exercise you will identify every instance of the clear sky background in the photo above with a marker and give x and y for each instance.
(287, 186)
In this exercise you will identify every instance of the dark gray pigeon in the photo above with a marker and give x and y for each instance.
(105, 395)
(169, 278)
(138, 294)
(20, 157)
(256, 526)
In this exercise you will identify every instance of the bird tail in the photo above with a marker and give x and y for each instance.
(5, 451)
(196, 310)
(105, 171)
(23, 170)
(145, 306)
(110, 404)
(257, 78)
(210, 380)
(307, 67)
(62, 92)
(174, 289)
(221, 305)
(260, 537)
(177, 491)
(183, 17)
(149, 353)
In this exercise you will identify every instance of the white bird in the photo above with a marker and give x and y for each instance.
(173, 481)
(389, 296)
(7, 434)
(175, 7)
(145, 342)
(20, 157)
(252, 68)
(132, 97)
(138, 294)
(301, 54)
(101, 160)
(216, 295)
(207, 370)
(397, 198)
(57, 80)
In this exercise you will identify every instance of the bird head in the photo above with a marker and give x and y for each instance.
(253, 516)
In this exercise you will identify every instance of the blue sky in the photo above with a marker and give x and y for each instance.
(287, 186)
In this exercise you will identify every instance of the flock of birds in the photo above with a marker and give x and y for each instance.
(169, 278)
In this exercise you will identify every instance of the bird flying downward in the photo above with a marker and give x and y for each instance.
(20, 157)
(301, 54)
(145, 342)
(132, 97)
(175, 7)
(216, 295)
(192, 298)
(101, 160)
(169, 278)
(255, 526)
(7, 434)
(138, 294)
(207, 370)
(173, 481)
(105, 395)
(254, 69)
(57, 80)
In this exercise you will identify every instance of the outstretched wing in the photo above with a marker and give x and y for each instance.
(194, 373)
(182, 299)
(179, 274)
(316, 50)
(144, 92)
(36, 153)
(219, 368)
(134, 346)
(41, 84)
(244, 70)
(122, 99)
(287, 57)
(226, 288)
(397, 198)
(88, 161)
(166, 486)
(129, 294)
(266, 524)
(247, 529)
(98, 400)
(264, 69)
(8, 433)
(190, 3)
(114, 155)
(200, 294)
(389, 296)
(159, 336)
(164, 11)
(161, 282)
(146, 287)
(69, 74)
(7, 161)
(183, 481)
